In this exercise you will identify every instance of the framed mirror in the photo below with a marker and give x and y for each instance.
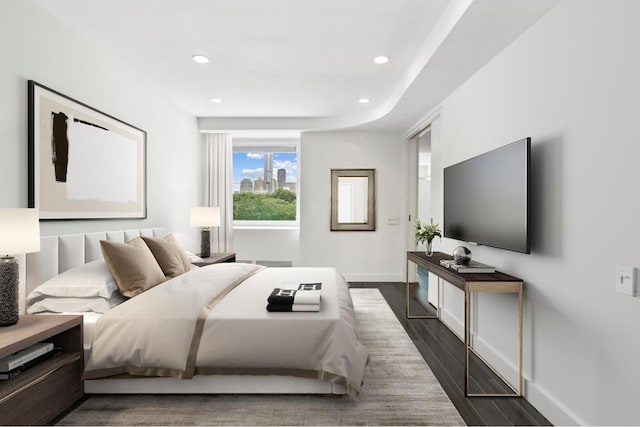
(353, 200)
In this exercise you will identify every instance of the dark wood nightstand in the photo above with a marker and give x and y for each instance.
(44, 391)
(216, 259)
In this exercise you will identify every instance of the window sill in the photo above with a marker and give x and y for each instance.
(266, 226)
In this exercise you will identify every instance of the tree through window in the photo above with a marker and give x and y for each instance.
(265, 184)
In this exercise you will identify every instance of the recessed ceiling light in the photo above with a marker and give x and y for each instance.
(364, 100)
(381, 59)
(200, 59)
(216, 100)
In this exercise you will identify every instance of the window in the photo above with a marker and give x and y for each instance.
(265, 181)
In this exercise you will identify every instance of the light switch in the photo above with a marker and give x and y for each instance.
(626, 279)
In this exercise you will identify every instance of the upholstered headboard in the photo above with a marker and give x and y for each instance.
(60, 253)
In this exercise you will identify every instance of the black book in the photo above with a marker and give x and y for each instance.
(310, 286)
(7, 375)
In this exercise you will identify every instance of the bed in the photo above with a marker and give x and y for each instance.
(228, 343)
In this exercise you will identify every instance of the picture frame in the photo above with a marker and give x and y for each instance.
(353, 200)
(83, 163)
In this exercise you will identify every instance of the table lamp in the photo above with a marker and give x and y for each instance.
(19, 234)
(205, 217)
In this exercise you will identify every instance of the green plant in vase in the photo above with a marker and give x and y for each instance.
(426, 233)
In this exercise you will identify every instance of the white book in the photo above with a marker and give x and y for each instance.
(21, 357)
(305, 307)
(306, 297)
(473, 267)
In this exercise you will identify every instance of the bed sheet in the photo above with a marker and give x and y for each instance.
(89, 320)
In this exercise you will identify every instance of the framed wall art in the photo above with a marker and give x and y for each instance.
(83, 164)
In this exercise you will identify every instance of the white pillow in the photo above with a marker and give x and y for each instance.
(89, 280)
(193, 257)
(75, 305)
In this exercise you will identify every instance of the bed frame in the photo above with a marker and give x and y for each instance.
(60, 253)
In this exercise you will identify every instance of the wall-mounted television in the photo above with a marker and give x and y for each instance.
(486, 198)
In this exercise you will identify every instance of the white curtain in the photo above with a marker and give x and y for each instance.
(219, 188)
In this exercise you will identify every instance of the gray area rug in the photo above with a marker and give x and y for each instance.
(399, 389)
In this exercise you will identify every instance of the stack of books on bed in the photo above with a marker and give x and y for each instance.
(305, 298)
(16, 363)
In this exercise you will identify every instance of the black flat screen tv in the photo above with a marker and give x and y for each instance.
(486, 198)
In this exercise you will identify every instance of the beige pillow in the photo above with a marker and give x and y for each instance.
(132, 265)
(170, 254)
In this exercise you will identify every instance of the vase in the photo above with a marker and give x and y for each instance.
(428, 249)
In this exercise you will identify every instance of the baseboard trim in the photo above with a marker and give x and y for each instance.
(550, 406)
(543, 401)
(449, 319)
(356, 277)
(539, 397)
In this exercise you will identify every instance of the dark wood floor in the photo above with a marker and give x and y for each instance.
(444, 353)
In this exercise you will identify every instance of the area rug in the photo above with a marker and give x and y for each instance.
(399, 389)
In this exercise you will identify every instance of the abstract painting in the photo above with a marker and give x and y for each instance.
(83, 164)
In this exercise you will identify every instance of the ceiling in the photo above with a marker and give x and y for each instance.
(302, 64)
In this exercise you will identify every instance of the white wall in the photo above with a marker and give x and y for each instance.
(571, 83)
(359, 255)
(36, 45)
(266, 244)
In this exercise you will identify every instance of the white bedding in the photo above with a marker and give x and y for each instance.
(88, 328)
(237, 334)
(89, 319)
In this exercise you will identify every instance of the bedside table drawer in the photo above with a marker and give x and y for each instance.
(37, 402)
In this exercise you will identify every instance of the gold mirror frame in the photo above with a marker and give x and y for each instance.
(370, 224)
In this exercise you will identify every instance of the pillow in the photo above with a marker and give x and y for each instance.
(89, 280)
(169, 254)
(132, 265)
(193, 257)
(75, 305)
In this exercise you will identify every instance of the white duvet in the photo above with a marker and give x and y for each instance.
(213, 320)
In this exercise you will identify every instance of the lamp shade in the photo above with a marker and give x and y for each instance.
(19, 231)
(205, 217)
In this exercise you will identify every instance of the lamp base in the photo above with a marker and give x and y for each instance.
(8, 291)
(205, 243)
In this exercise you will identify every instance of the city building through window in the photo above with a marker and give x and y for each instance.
(265, 181)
